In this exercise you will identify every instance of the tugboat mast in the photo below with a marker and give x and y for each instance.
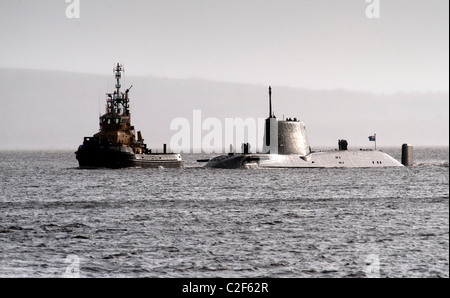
(118, 73)
(118, 98)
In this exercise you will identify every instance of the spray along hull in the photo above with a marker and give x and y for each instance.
(327, 159)
(124, 157)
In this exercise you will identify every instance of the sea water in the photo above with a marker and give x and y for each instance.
(57, 220)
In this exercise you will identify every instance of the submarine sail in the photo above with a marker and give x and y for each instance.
(285, 145)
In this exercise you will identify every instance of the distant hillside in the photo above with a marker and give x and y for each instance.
(51, 109)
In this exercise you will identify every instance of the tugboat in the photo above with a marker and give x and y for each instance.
(286, 146)
(115, 145)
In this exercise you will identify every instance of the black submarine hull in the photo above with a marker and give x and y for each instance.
(124, 157)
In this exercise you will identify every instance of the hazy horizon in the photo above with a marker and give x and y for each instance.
(58, 109)
(212, 80)
(343, 73)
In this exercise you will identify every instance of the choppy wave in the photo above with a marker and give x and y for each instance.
(220, 223)
(432, 164)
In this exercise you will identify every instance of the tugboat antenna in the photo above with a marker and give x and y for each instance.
(118, 72)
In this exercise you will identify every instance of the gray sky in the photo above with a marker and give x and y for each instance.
(220, 56)
(319, 44)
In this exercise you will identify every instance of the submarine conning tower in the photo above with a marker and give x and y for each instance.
(284, 136)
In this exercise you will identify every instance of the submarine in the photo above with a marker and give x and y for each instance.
(285, 145)
(116, 145)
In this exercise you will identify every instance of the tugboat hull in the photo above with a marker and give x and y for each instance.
(124, 157)
(115, 145)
